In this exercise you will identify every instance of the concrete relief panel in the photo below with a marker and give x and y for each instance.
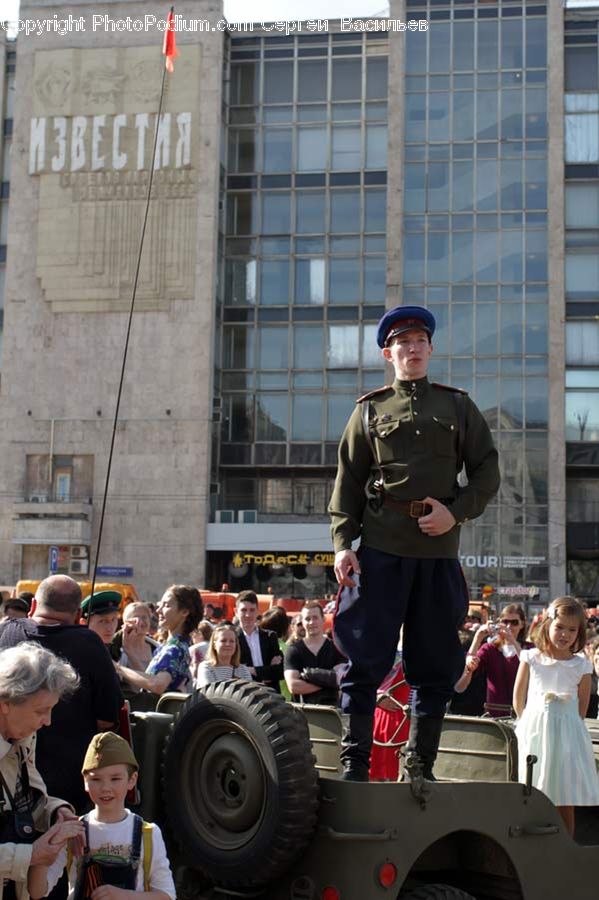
(91, 142)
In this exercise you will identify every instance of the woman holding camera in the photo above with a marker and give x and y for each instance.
(32, 680)
(495, 650)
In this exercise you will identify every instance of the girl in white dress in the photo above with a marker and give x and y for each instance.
(551, 697)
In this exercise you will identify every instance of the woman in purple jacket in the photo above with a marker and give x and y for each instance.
(495, 650)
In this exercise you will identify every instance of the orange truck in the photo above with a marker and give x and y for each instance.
(128, 591)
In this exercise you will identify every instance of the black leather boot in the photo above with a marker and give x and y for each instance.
(356, 744)
(421, 750)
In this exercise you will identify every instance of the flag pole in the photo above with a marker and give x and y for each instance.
(166, 68)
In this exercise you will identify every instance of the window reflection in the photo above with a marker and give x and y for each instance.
(271, 417)
(310, 281)
(306, 413)
(342, 351)
(582, 415)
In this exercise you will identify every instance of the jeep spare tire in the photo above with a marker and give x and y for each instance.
(240, 787)
(436, 892)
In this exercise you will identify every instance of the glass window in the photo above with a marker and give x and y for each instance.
(512, 263)
(439, 44)
(241, 213)
(535, 335)
(488, 42)
(511, 404)
(582, 205)
(308, 346)
(486, 329)
(463, 116)
(582, 415)
(511, 329)
(376, 146)
(275, 495)
(343, 348)
(347, 150)
(376, 78)
(438, 187)
(346, 82)
(374, 279)
(272, 347)
(311, 80)
(582, 73)
(463, 46)
(582, 343)
(345, 211)
(278, 82)
(536, 184)
(306, 417)
(275, 213)
(486, 256)
(582, 137)
(339, 409)
(344, 280)
(310, 281)
(312, 148)
(511, 184)
(438, 116)
(244, 83)
(582, 275)
(309, 212)
(536, 43)
(437, 268)
(511, 114)
(271, 417)
(462, 189)
(240, 281)
(416, 53)
(371, 354)
(486, 184)
(461, 328)
(274, 282)
(238, 346)
(536, 117)
(487, 115)
(239, 426)
(415, 187)
(277, 150)
(414, 256)
(536, 256)
(242, 150)
(461, 261)
(375, 213)
(511, 44)
(416, 117)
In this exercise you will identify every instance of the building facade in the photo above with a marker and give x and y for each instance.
(305, 181)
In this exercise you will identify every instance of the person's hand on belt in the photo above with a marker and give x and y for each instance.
(346, 562)
(437, 522)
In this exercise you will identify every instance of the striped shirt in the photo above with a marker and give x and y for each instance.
(209, 674)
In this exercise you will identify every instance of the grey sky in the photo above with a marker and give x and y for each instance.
(268, 10)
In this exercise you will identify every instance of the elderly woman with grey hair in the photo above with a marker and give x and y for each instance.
(32, 680)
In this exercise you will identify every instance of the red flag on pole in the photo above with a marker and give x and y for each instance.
(169, 46)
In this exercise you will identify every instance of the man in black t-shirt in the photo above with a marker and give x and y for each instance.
(95, 704)
(311, 664)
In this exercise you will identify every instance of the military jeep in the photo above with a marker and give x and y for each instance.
(247, 789)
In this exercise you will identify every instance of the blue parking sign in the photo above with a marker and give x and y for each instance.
(53, 560)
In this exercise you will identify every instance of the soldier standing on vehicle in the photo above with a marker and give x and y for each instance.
(397, 490)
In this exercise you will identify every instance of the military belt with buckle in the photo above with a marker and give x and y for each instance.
(413, 508)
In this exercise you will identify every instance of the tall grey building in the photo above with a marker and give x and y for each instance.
(448, 159)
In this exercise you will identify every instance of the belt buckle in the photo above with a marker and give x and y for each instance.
(419, 508)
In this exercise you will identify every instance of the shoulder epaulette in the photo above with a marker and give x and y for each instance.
(448, 387)
(374, 393)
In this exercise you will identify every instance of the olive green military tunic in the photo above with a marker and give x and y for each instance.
(415, 430)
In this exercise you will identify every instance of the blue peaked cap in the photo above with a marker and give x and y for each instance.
(403, 318)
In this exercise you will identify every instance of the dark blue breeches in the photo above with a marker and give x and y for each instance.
(429, 598)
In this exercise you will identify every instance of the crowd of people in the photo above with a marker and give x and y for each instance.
(62, 686)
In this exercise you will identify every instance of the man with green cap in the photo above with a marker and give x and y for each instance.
(100, 611)
(123, 853)
(397, 491)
